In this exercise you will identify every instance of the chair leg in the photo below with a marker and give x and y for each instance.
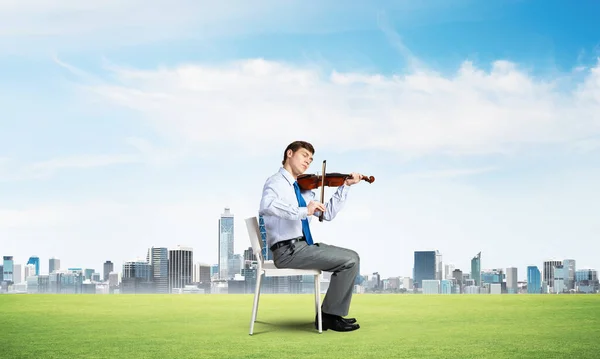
(255, 305)
(318, 303)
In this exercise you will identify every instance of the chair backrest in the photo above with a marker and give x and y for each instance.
(255, 240)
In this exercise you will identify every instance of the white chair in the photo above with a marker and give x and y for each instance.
(268, 269)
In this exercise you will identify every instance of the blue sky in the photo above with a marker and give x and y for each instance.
(125, 126)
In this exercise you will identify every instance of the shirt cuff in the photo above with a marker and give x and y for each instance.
(343, 191)
(303, 212)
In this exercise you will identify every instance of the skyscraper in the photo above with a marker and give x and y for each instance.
(35, 261)
(512, 286)
(53, 265)
(439, 267)
(136, 277)
(158, 259)
(108, 267)
(181, 267)
(225, 244)
(7, 269)
(570, 269)
(17, 273)
(534, 280)
(548, 274)
(424, 267)
(476, 269)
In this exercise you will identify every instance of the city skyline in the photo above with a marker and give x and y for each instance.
(173, 271)
(545, 267)
(479, 121)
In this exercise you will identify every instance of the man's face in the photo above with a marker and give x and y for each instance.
(300, 161)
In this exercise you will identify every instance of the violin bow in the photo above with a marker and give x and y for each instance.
(322, 190)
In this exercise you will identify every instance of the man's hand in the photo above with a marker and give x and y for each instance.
(315, 206)
(355, 178)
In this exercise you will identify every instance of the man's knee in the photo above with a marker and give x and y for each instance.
(355, 257)
(353, 260)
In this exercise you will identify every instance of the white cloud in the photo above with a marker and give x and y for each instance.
(13, 171)
(450, 173)
(145, 152)
(256, 105)
(76, 25)
(83, 162)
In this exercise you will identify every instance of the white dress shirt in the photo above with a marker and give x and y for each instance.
(282, 214)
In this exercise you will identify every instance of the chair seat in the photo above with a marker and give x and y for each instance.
(268, 269)
(272, 271)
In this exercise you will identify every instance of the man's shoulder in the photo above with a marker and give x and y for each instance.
(276, 177)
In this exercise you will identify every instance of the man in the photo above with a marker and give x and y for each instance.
(286, 211)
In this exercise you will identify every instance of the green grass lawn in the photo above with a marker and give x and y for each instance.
(216, 326)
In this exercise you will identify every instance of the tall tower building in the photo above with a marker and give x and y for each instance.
(181, 267)
(424, 267)
(17, 273)
(7, 269)
(512, 286)
(439, 267)
(448, 269)
(108, 267)
(29, 271)
(548, 273)
(476, 269)
(534, 280)
(158, 259)
(225, 244)
(569, 272)
(53, 265)
(35, 260)
(201, 273)
(137, 277)
(458, 276)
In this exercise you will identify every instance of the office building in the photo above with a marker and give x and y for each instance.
(569, 273)
(548, 272)
(476, 269)
(53, 265)
(425, 267)
(7, 269)
(534, 280)
(512, 285)
(108, 268)
(158, 259)
(226, 235)
(35, 260)
(181, 267)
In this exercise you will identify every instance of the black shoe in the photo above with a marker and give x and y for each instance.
(347, 320)
(336, 323)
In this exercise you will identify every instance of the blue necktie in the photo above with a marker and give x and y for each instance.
(302, 203)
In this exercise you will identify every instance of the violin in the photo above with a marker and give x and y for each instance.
(313, 181)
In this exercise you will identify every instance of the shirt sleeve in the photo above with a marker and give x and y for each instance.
(335, 203)
(272, 204)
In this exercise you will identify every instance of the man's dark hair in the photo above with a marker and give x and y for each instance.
(295, 146)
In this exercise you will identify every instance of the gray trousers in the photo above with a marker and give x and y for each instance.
(341, 261)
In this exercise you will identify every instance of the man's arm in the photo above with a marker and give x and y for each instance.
(272, 204)
(335, 203)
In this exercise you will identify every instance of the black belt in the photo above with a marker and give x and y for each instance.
(287, 242)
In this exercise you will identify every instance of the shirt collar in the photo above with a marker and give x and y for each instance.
(288, 176)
